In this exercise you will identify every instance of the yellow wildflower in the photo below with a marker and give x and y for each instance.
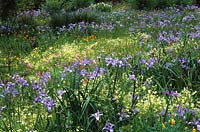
(163, 125)
(17, 58)
(194, 130)
(11, 59)
(92, 37)
(19, 130)
(4, 59)
(172, 122)
(86, 39)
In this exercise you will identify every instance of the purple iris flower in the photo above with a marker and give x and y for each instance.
(181, 111)
(115, 62)
(197, 122)
(60, 93)
(10, 85)
(94, 74)
(67, 69)
(29, 131)
(120, 63)
(143, 61)
(63, 75)
(169, 94)
(49, 103)
(109, 60)
(168, 65)
(198, 61)
(123, 115)
(10, 89)
(97, 115)
(45, 78)
(132, 77)
(15, 92)
(113, 99)
(42, 94)
(134, 96)
(22, 82)
(76, 64)
(1, 84)
(175, 94)
(102, 71)
(1, 108)
(170, 51)
(173, 38)
(37, 99)
(83, 72)
(47, 75)
(162, 113)
(193, 112)
(135, 111)
(86, 62)
(161, 37)
(109, 127)
(198, 127)
(36, 86)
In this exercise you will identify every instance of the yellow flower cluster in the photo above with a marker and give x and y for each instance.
(151, 101)
(163, 125)
(91, 37)
(27, 36)
(186, 98)
(10, 59)
(173, 122)
(194, 130)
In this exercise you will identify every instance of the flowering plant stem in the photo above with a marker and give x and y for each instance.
(167, 108)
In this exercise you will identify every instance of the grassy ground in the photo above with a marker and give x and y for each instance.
(150, 83)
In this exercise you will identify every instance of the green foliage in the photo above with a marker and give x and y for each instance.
(86, 15)
(185, 2)
(149, 4)
(25, 4)
(60, 13)
(29, 4)
(113, 1)
(57, 12)
(26, 19)
(152, 4)
(59, 19)
(38, 3)
(52, 6)
(144, 4)
(133, 4)
(7, 8)
(177, 2)
(76, 4)
(82, 15)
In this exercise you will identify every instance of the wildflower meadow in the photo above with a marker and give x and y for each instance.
(111, 66)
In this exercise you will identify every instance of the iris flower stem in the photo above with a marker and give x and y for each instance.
(167, 108)
(115, 81)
